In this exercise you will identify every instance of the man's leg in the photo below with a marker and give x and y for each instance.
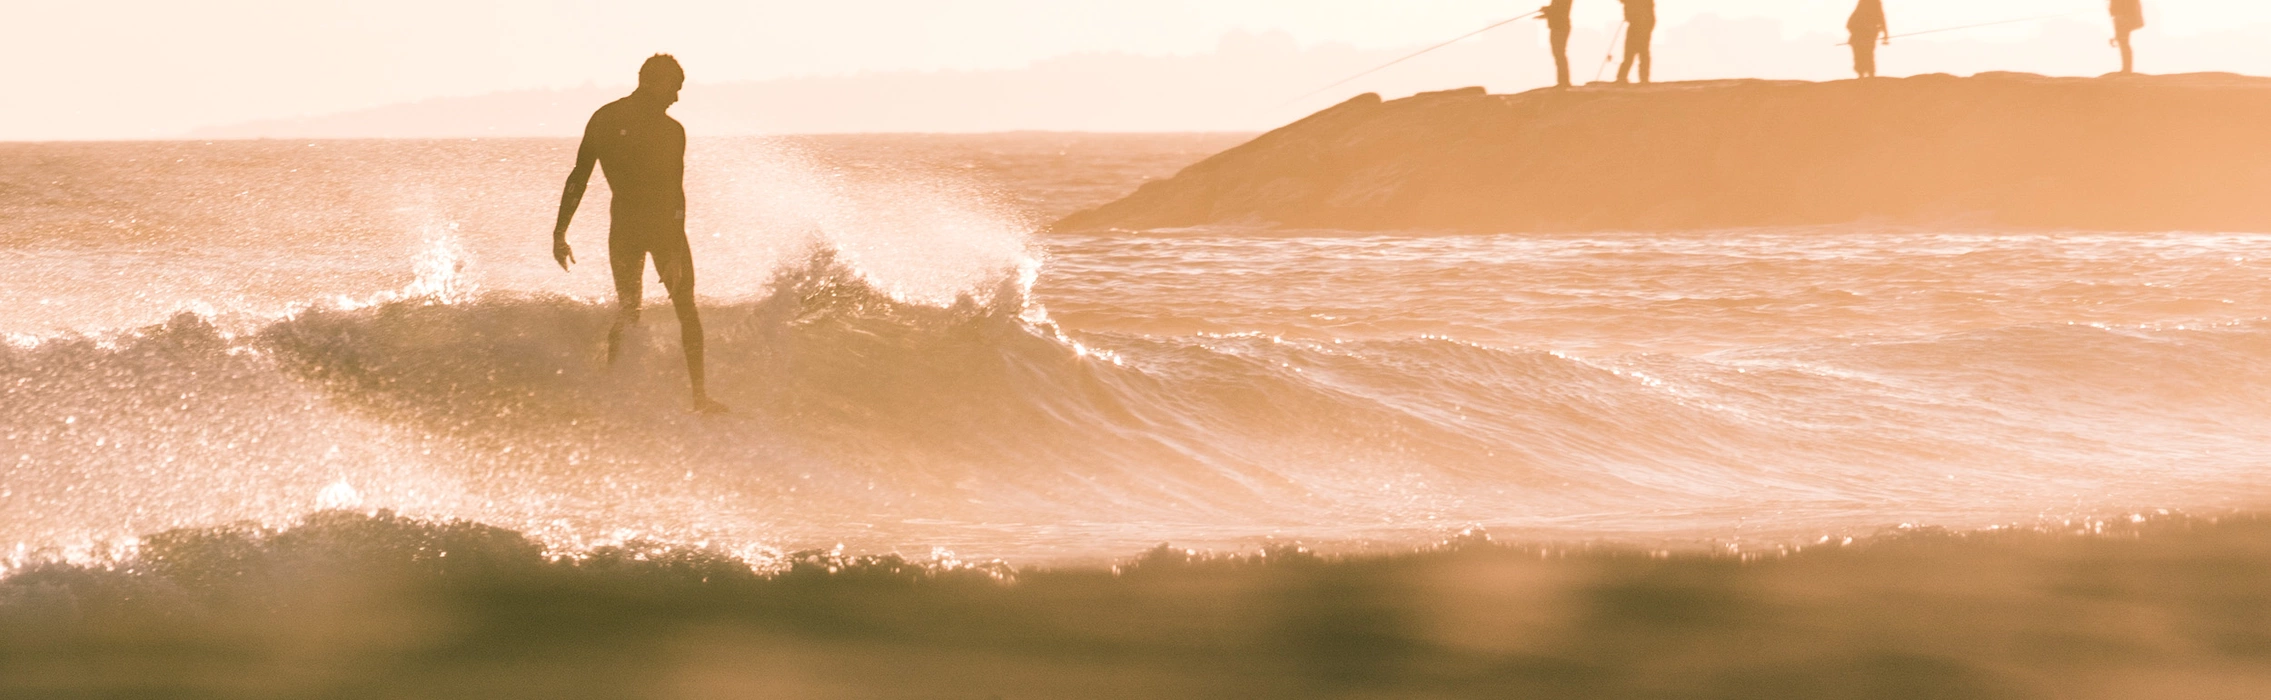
(627, 255)
(1647, 40)
(674, 262)
(2128, 59)
(1560, 39)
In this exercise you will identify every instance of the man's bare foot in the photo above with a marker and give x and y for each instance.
(703, 404)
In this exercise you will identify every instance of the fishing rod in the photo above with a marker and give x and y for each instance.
(1615, 40)
(1971, 26)
(1421, 52)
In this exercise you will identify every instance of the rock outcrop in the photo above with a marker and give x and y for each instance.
(2181, 152)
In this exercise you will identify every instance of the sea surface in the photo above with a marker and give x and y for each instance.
(255, 395)
(207, 333)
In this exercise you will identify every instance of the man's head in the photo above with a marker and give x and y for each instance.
(661, 77)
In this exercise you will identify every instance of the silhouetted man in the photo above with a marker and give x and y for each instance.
(642, 151)
(1867, 27)
(1640, 29)
(1557, 28)
(2128, 17)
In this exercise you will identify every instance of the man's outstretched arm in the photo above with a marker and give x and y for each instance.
(572, 196)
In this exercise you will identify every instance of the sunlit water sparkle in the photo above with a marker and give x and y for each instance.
(916, 368)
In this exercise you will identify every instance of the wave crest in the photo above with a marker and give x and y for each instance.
(978, 423)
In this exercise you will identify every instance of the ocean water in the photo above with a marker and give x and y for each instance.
(245, 375)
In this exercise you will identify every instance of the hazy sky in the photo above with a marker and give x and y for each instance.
(123, 69)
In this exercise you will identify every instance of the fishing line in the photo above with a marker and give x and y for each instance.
(1972, 26)
(1422, 52)
(1614, 41)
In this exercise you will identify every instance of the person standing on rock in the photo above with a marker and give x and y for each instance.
(1640, 29)
(2128, 17)
(1867, 27)
(1557, 29)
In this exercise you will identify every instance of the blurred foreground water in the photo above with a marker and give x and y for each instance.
(352, 605)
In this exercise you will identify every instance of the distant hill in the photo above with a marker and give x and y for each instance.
(2179, 152)
(1244, 85)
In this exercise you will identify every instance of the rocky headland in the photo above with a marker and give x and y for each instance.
(2003, 150)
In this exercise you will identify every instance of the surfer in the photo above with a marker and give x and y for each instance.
(642, 152)
(2128, 17)
(1557, 28)
(1867, 27)
(1640, 28)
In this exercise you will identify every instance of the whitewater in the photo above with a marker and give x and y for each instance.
(321, 419)
(202, 334)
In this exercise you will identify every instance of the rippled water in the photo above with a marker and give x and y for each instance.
(376, 324)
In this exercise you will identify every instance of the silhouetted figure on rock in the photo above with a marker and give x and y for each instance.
(642, 152)
(2128, 17)
(1640, 29)
(1867, 27)
(1557, 29)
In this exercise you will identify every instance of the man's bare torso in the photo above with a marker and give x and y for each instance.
(642, 153)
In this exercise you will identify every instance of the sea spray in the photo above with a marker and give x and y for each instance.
(919, 237)
(1212, 387)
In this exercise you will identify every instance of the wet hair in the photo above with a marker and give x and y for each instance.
(661, 70)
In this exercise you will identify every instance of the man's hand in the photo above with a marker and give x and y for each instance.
(561, 253)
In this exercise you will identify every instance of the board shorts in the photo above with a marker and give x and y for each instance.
(628, 248)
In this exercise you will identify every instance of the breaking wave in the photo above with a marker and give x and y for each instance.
(980, 424)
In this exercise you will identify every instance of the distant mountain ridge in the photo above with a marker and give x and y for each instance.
(1084, 92)
(501, 114)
